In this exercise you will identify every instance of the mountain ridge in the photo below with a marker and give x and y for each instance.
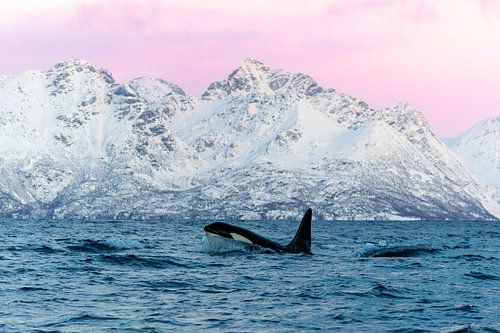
(479, 147)
(263, 143)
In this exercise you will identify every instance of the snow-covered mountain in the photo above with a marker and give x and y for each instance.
(479, 147)
(263, 143)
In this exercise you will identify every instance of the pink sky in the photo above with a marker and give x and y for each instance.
(442, 56)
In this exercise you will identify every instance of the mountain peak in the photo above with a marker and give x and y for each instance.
(254, 77)
(493, 120)
(488, 126)
(147, 84)
(252, 64)
(404, 108)
(488, 123)
(62, 77)
(76, 63)
(251, 60)
(251, 70)
(478, 147)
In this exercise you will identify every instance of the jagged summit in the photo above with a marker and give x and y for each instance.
(67, 76)
(161, 96)
(253, 65)
(494, 120)
(74, 67)
(254, 77)
(405, 115)
(74, 64)
(147, 83)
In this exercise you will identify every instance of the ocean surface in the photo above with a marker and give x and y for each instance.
(157, 276)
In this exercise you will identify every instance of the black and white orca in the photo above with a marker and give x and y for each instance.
(301, 243)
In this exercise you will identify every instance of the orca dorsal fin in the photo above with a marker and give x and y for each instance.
(302, 240)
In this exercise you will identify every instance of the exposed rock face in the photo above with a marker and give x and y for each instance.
(263, 143)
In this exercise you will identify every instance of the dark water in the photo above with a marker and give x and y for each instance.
(160, 276)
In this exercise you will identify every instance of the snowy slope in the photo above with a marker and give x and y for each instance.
(479, 147)
(264, 143)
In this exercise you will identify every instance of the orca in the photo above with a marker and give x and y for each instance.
(301, 243)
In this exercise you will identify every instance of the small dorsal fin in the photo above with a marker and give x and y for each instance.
(302, 240)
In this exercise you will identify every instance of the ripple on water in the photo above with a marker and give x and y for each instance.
(377, 251)
(474, 257)
(465, 308)
(378, 290)
(44, 249)
(459, 329)
(32, 289)
(79, 318)
(47, 249)
(410, 330)
(482, 276)
(106, 245)
(138, 261)
(176, 286)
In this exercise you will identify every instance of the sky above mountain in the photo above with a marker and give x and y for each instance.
(440, 55)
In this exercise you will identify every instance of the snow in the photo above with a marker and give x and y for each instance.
(263, 143)
(479, 147)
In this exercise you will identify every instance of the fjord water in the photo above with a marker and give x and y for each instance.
(155, 276)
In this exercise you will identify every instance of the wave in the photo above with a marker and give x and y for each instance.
(136, 261)
(35, 248)
(459, 329)
(47, 249)
(168, 285)
(106, 245)
(81, 317)
(410, 330)
(473, 257)
(378, 290)
(482, 276)
(121, 244)
(32, 289)
(88, 317)
(465, 308)
(375, 251)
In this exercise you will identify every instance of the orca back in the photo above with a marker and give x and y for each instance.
(300, 243)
